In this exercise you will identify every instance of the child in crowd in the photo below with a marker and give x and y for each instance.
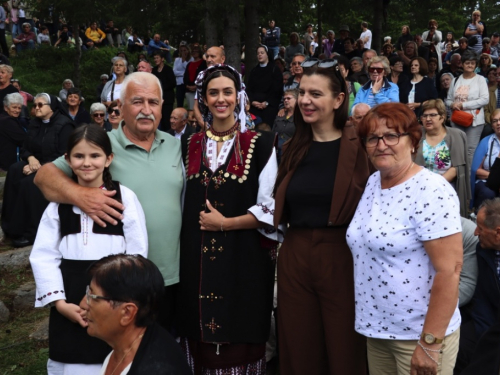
(68, 241)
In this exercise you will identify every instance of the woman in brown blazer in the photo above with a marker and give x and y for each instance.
(320, 181)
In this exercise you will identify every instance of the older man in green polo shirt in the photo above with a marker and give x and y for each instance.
(147, 161)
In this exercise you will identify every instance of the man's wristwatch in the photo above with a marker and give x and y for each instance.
(430, 339)
(267, 104)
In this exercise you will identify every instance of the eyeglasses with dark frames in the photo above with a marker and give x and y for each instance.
(115, 111)
(98, 115)
(429, 115)
(390, 139)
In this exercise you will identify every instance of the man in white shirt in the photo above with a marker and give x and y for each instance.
(366, 35)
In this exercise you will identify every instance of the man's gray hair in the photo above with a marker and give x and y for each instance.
(97, 107)
(358, 59)
(454, 56)
(139, 78)
(14, 98)
(370, 50)
(359, 105)
(491, 212)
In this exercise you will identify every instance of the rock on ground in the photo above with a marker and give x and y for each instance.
(18, 258)
(24, 297)
(42, 332)
(4, 313)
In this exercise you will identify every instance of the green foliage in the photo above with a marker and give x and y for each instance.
(44, 69)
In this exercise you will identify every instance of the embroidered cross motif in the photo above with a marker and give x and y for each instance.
(217, 204)
(220, 249)
(212, 325)
(219, 180)
(213, 241)
(205, 249)
(205, 180)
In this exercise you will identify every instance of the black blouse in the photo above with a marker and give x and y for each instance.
(309, 194)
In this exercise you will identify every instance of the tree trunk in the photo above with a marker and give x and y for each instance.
(251, 37)
(378, 18)
(78, 55)
(210, 24)
(320, 30)
(232, 34)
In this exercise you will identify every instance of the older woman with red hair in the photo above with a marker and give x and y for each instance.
(406, 243)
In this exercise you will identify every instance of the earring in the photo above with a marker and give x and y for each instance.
(413, 150)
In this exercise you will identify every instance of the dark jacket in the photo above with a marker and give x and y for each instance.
(168, 83)
(487, 294)
(184, 138)
(159, 354)
(402, 40)
(424, 90)
(82, 116)
(12, 136)
(47, 141)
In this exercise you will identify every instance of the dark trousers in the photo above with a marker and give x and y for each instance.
(482, 193)
(316, 305)
(180, 91)
(3, 43)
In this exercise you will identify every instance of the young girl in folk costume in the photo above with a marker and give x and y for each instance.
(68, 241)
(225, 295)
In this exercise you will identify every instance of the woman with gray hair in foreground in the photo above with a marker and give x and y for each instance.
(120, 307)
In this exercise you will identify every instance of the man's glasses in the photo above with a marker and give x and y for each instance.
(378, 70)
(14, 80)
(40, 105)
(390, 139)
(429, 115)
(98, 114)
(116, 112)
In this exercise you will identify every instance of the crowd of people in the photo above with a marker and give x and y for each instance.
(378, 172)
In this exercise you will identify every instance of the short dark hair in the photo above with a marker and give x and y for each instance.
(395, 59)
(423, 67)
(131, 278)
(76, 91)
(364, 24)
(492, 212)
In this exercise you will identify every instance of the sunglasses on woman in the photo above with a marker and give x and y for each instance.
(378, 70)
(98, 114)
(40, 105)
(116, 112)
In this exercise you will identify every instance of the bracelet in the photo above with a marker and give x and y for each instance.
(427, 354)
(222, 222)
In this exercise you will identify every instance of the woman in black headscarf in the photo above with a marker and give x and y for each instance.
(46, 140)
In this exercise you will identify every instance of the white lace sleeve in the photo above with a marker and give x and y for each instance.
(45, 259)
(264, 209)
